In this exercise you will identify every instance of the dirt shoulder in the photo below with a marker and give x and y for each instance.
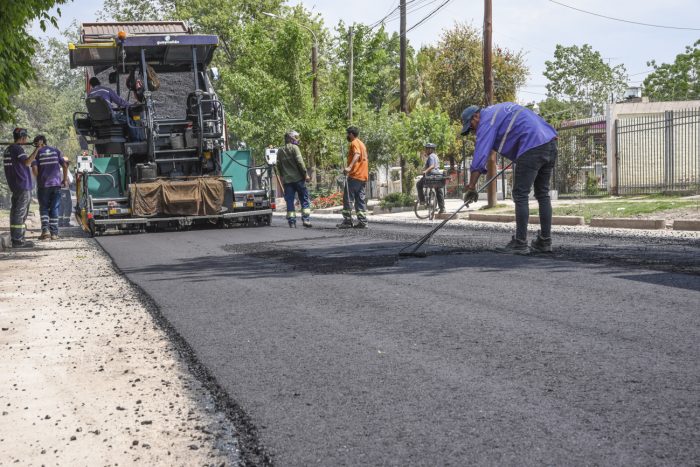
(89, 378)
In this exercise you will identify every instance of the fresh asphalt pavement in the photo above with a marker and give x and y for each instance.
(340, 353)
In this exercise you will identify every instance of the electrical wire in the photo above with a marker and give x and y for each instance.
(428, 16)
(623, 20)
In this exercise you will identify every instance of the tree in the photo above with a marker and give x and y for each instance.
(454, 71)
(18, 47)
(137, 10)
(579, 75)
(555, 111)
(679, 80)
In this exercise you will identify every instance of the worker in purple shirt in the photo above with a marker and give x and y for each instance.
(522, 136)
(19, 179)
(117, 104)
(51, 171)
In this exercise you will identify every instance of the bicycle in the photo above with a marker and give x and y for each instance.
(431, 183)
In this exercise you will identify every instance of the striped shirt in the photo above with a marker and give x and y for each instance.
(49, 162)
(18, 175)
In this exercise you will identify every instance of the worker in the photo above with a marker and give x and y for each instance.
(356, 174)
(292, 170)
(118, 105)
(66, 210)
(19, 180)
(522, 136)
(51, 171)
(431, 167)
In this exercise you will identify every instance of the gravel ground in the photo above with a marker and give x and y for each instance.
(90, 377)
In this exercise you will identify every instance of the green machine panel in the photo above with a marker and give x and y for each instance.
(234, 166)
(108, 177)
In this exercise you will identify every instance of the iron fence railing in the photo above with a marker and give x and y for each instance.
(658, 153)
(581, 168)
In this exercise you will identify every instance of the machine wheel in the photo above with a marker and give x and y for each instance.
(431, 201)
(92, 228)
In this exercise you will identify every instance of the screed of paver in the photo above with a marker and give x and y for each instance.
(88, 378)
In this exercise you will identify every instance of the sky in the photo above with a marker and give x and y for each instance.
(531, 26)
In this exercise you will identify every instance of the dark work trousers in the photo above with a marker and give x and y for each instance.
(66, 208)
(18, 214)
(438, 191)
(534, 168)
(49, 205)
(291, 191)
(354, 193)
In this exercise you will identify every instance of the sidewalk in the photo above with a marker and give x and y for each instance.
(407, 216)
(89, 376)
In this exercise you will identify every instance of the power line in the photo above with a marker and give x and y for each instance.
(428, 16)
(394, 15)
(624, 20)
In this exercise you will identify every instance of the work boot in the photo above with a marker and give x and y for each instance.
(441, 211)
(344, 225)
(54, 236)
(306, 223)
(22, 244)
(515, 246)
(360, 225)
(541, 244)
(292, 225)
(45, 235)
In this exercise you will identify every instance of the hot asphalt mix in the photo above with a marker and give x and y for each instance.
(339, 353)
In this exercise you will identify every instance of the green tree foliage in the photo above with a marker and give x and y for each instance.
(579, 75)
(555, 111)
(679, 80)
(18, 47)
(137, 10)
(453, 71)
(47, 103)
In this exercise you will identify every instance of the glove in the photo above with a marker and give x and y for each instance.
(471, 196)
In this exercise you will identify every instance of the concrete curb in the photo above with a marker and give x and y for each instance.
(560, 220)
(687, 224)
(624, 223)
(380, 210)
(475, 216)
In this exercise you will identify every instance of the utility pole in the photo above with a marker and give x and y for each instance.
(402, 76)
(488, 94)
(350, 74)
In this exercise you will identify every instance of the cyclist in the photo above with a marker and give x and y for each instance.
(431, 167)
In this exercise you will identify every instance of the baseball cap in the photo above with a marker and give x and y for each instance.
(18, 133)
(467, 115)
(430, 146)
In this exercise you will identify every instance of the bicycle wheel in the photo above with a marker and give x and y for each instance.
(421, 211)
(431, 201)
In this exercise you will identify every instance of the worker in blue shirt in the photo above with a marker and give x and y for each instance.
(522, 136)
(19, 179)
(108, 94)
(117, 104)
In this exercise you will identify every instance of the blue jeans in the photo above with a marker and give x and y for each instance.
(49, 206)
(534, 168)
(354, 193)
(291, 191)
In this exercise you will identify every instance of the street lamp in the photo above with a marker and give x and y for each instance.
(314, 55)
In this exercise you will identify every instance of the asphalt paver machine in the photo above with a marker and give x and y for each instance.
(163, 162)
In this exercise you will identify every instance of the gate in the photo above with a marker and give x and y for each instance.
(658, 153)
(581, 168)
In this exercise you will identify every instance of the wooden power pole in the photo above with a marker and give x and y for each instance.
(488, 94)
(403, 93)
(350, 74)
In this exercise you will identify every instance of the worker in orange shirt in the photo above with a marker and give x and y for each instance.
(357, 173)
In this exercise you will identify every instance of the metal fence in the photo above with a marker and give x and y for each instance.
(658, 153)
(581, 168)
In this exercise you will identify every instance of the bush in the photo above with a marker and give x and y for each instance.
(396, 200)
(329, 201)
(591, 187)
